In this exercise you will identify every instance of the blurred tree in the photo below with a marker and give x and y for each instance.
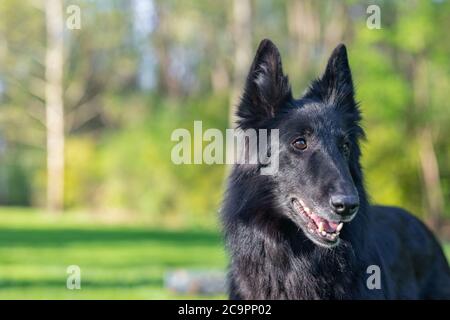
(402, 88)
(243, 50)
(167, 80)
(315, 28)
(22, 116)
(424, 21)
(54, 104)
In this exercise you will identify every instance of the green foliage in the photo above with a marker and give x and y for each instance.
(384, 64)
(118, 136)
(131, 170)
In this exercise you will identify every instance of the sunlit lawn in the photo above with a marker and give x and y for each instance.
(117, 262)
(126, 262)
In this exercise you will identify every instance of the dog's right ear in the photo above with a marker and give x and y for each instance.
(335, 86)
(266, 89)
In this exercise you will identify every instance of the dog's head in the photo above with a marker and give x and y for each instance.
(319, 177)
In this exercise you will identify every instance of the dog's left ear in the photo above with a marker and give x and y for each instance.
(335, 86)
(266, 88)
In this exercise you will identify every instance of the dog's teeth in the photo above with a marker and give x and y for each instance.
(339, 227)
(301, 202)
(323, 233)
(307, 210)
(321, 227)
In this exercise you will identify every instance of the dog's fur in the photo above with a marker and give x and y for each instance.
(272, 256)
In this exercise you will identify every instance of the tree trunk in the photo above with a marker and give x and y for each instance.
(242, 40)
(428, 158)
(304, 30)
(54, 104)
(313, 39)
(431, 179)
(168, 84)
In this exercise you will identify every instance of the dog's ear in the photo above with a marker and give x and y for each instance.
(266, 88)
(335, 86)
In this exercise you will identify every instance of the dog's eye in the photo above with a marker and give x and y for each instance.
(346, 149)
(300, 144)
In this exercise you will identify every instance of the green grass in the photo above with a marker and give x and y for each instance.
(117, 262)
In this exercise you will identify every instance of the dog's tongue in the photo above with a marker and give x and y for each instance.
(328, 226)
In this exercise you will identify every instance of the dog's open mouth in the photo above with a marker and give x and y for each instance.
(317, 226)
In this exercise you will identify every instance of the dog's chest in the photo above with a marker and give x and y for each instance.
(310, 278)
(312, 275)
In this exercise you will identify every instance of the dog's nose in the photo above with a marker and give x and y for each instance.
(344, 205)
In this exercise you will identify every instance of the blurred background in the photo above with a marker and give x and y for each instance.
(91, 90)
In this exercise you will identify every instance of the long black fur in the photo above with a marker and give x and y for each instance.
(270, 255)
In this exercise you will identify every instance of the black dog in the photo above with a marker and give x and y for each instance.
(307, 231)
